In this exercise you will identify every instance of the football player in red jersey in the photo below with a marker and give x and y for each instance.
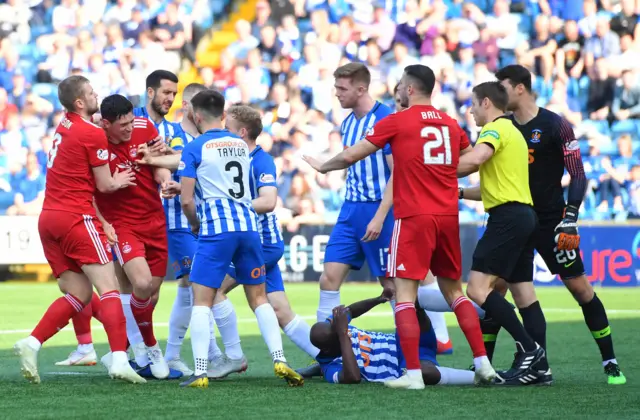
(426, 145)
(74, 244)
(137, 216)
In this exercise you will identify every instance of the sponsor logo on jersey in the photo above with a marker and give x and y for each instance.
(266, 178)
(181, 166)
(103, 154)
(535, 136)
(113, 156)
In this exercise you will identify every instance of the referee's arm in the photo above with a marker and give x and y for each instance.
(470, 162)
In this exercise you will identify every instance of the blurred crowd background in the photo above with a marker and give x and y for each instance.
(585, 57)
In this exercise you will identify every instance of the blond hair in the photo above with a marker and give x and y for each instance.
(249, 118)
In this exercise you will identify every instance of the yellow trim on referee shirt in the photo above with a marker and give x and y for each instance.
(505, 177)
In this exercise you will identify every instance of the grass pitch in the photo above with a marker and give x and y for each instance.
(580, 390)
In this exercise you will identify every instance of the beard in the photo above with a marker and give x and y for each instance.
(92, 109)
(157, 108)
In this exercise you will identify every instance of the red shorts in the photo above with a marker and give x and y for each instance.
(72, 240)
(425, 242)
(148, 241)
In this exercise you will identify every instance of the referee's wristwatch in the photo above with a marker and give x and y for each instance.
(460, 193)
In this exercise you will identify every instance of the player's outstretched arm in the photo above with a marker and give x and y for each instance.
(472, 193)
(470, 162)
(362, 307)
(344, 159)
(170, 162)
(188, 203)
(105, 183)
(350, 373)
(266, 200)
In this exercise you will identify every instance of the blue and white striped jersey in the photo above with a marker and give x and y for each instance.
(219, 162)
(172, 208)
(263, 174)
(165, 128)
(377, 355)
(367, 179)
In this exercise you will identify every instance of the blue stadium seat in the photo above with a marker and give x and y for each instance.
(47, 91)
(619, 128)
(609, 149)
(601, 127)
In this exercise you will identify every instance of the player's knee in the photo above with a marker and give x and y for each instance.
(283, 312)
(144, 288)
(581, 289)
(184, 281)
(477, 291)
(329, 282)
(501, 286)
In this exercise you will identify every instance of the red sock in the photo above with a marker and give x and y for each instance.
(469, 324)
(82, 325)
(96, 306)
(143, 313)
(113, 320)
(409, 333)
(56, 317)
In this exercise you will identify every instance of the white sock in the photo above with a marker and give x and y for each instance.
(227, 322)
(606, 362)
(133, 332)
(328, 301)
(300, 333)
(437, 318)
(414, 373)
(178, 322)
(270, 330)
(85, 348)
(34, 343)
(477, 361)
(433, 300)
(450, 376)
(214, 350)
(200, 336)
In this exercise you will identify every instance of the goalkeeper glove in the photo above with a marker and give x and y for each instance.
(567, 236)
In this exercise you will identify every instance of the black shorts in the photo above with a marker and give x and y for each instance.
(506, 248)
(568, 264)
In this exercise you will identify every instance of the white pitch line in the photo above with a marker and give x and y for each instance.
(68, 328)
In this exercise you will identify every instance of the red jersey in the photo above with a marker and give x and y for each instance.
(137, 204)
(78, 146)
(425, 144)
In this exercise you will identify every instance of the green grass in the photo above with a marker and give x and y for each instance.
(580, 390)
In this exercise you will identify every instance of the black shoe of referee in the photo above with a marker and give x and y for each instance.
(523, 370)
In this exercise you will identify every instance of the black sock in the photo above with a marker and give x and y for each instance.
(490, 330)
(504, 315)
(596, 318)
(536, 327)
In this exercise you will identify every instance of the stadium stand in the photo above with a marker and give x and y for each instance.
(279, 56)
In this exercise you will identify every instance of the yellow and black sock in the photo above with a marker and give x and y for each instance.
(595, 317)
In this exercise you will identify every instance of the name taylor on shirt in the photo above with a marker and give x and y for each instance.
(229, 148)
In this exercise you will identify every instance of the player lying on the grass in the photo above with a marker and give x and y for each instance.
(349, 355)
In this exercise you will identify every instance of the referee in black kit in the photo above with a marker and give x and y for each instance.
(506, 247)
(552, 148)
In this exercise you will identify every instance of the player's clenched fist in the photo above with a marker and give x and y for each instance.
(340, 318)
(157, 146)
(125, 178)
(567, 236)
(170, 189)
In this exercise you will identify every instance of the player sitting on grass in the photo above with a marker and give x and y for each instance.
(349, 355)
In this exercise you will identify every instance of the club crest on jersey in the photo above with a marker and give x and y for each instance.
(369, 132)
(126, 248)
(266, 178)
(535, 136)
(133, 152)
(103, 154)
(186, 262)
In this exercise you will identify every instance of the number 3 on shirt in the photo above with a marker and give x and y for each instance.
(441, 135)
(57, 139)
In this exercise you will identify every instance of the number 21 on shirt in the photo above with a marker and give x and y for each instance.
(436, 138)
